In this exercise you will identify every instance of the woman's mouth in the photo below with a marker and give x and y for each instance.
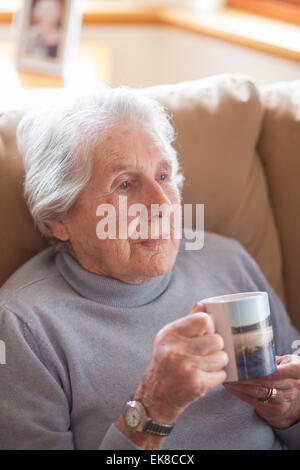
(155, 242)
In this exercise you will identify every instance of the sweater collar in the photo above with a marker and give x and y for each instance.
(106, 290)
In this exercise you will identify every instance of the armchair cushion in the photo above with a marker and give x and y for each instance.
(18, 239)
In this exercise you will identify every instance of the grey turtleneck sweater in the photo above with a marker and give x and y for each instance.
(77, 345)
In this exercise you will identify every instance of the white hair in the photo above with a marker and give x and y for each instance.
(57, 143)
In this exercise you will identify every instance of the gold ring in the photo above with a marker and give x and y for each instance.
(272, 393)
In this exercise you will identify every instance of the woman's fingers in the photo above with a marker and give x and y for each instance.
(212, 379)
(266, 384)
(198, 307)
(287, 368)
(211, 362)
(187, 360)
(253, 391)
(250, 399)
(281, 410)
(194, 324)
(204, 345)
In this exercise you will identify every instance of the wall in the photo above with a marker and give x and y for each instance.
(197, 56)
(149, 55)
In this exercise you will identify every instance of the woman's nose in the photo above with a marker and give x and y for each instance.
(154, 193)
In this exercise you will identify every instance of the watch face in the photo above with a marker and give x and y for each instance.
(132, 417)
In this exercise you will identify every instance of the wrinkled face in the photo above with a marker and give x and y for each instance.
(135, 167)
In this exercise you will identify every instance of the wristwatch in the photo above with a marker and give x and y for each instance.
(136, 419)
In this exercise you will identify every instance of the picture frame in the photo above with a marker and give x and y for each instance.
(47, 35)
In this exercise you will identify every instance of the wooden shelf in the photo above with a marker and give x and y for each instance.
(245, 29)
(275, 9)
(108, 12)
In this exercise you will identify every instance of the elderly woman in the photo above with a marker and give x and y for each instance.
(93, 321)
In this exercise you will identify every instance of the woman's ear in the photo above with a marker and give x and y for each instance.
(59, 230)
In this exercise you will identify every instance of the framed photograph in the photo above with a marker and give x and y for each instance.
(48, 33)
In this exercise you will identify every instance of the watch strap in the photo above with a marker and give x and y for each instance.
(158, 429)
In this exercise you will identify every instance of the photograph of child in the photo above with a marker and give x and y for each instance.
(45, 31)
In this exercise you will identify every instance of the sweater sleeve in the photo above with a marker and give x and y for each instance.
(286, 335)
(34, 409)
(116, 440)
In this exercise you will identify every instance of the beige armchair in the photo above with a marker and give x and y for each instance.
(239, 147)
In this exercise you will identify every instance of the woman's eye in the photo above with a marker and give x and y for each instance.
(163, 177)
(124, 185)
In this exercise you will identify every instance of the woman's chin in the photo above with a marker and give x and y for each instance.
(157, 261)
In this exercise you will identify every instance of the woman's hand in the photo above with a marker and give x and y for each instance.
(187, 360)
(283, 410)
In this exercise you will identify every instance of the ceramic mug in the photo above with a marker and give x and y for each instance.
(244, 322)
